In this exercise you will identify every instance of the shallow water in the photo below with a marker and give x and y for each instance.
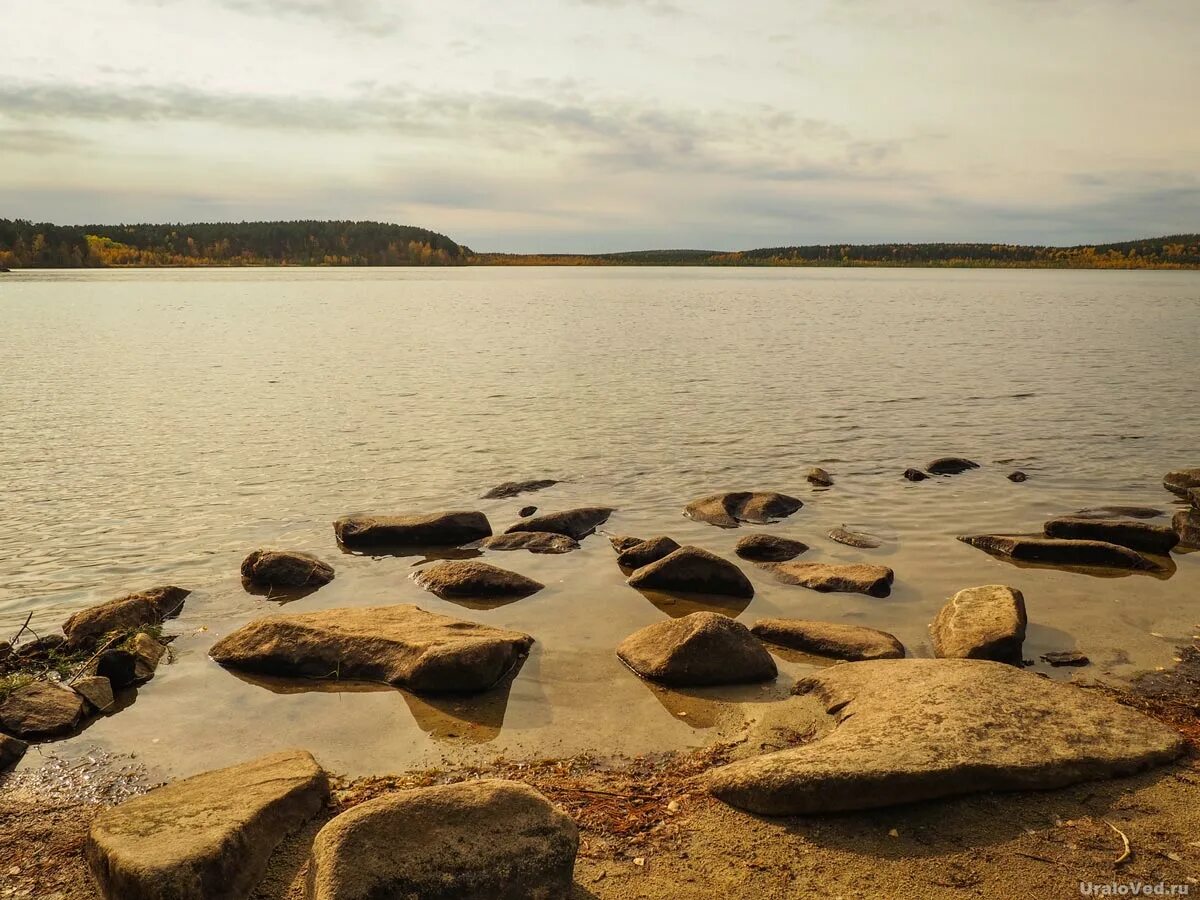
(156, 426)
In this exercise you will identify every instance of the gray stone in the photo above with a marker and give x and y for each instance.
(470, 578)
(950, 465)
(853, 578)
(985, 622)
(917, 729)
(41, 710)
(96, 690)
(693, 571)
(476, 840)
(11, 751)
(1053, 551)
(442, 529)
(286, 568)
(513, 488)
(768, 548)
(124, 614)
(859, 539)
(1140, 536)
(574, 523)
(832, 639)
(208, 837)
(1065, 658)
(533, 541)
(1181, 481)
(729, 509)
(648, 551)
(700, 649)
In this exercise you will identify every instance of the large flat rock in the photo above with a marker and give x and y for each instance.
(986, 622)
(401, 645)
(1141, 536)
(441, 529)
(730, 508)
(514, 488)
(207, 837)
(533, 541)
(1057, 552)
(478, 840)
(916, 729)
(124, 614)
(835, 640)
(471, 578)
(700, 649)
(851, 578)
(691, 570)
(1180, 481)
(41, 710)
(574, 523)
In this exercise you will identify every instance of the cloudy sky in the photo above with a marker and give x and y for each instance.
(590, 125)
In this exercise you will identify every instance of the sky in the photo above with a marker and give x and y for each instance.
(600, 125)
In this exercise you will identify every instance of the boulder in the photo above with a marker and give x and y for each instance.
(1118, 512)
(1017, 476)
(476, 840)
(574, 523)
(469, 578)
(1186, 524)
(646, 552)
(512, 488)
(950, 465)
(832, 639)
(285, 568)
(693, 571)
(729, 509)
(207, 837)
(526, 511)
(700, 649)
(124, 614)
(118, 666)
(1065, 658)
(981, 623)
(443, 529)
(40, 709)
(1135, 535)
(819, 477)
(96, 690)
(768, 548)
(400, 645)
(11, 751)
(1181, 481)
(915, 475)
(533, 541)
(916, 729)
(622, 542)
(854, 578)
(859, 539)
(1052, 551)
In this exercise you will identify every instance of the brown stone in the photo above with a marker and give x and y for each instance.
(832, 639)
(442, 529)
(700, 649)
(41, 710)
(574, 523)
(1181, 481)
(648, 551)
(768, 548)
(286, 568)
(853, 578)
(695, 571)
(533, 541)
(1141, 536)
(981, 623)
(1053, 551)
(124, 614)
(513, 488)
(729, 509)
(470, 578)
(950, 465)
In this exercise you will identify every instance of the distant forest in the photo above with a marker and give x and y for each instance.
(25, 244)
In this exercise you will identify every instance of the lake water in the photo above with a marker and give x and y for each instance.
(155, 426)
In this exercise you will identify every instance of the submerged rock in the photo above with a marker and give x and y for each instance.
(1181, 481)
(533, 541)
(1186, 524)
(286, 568)
(205, 837)
(729, 509)
(11, 751)
(41, 710)
(442, 529)
(468, 578)
(124, 614)
(513, 488)
(950, 465)
(474, 840)
(646, 552)
(915, 475)
(854, 578)
(574, 523)
(1053, 551)
(832, 639)
(917, 729)
(699, 649)
(695, 571)
(1134, 535)
(1065, 658)
(1118, 512)
(819, 477)
(1017, 476)
(768, 548)
(859, 539)
(981, 623)
(401, 645)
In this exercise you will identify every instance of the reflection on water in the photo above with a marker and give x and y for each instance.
(678, 605)
(708, 707)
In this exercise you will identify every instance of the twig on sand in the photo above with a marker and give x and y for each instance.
(1128, 851)
(1035, 856)
(579, 790)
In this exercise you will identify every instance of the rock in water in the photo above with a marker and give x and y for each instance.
(526, 511)
(981, 623)
(646, 552)
(476, 840)
(1193, 496)
(443, 529)
(1065, 658)
(1017, 476)
(693, 571)
(468, 578)
(207, 837)
(400, 645)
(1186, 524)
(11, 751)
(859, 539)
(513, 488)
(916, 729)
(124, 614)
(622, 542)
(1118, 512)
(285, 568)
(703, 648)
(41, 710)
(1052, 551)
(951, 465)
(533, 541)
(915, 475)
(832, 639)
(1181, 481)
(574, 523)
(1140, 536)
(819, 477)
(96, 690)
(729, 509)
(768, 548)
(856, 578)
(146, 653)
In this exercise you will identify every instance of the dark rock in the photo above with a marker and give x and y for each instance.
(533, 541)
(526, 511)
(622, 542)
(1052, 551)
(96, 690)
(1017, 476)
(859, 539)
(981, 623)
(831, 639)
(468, 578)
(1186, 524)
(205, 837)
(700, 649)
(118, 666)
(768, 548)
(692, 570)
(1181, 481)
(400, 645)
(729, 509)
(444, 529)
(41, 710)
(950, 465)
(513, 488)
(124, 614)
(646, 552)
(1065, 658)
(855, 578)
(40, 649)
(11, 751)
(1119, 512)
(1139, 536)
(286, 568)
(146, 653)
(574, 523)
(915, 475)
(819, 477)
(475, 840)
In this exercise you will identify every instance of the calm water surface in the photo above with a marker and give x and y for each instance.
(156, 426)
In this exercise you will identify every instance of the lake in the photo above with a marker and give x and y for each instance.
(156, 426)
